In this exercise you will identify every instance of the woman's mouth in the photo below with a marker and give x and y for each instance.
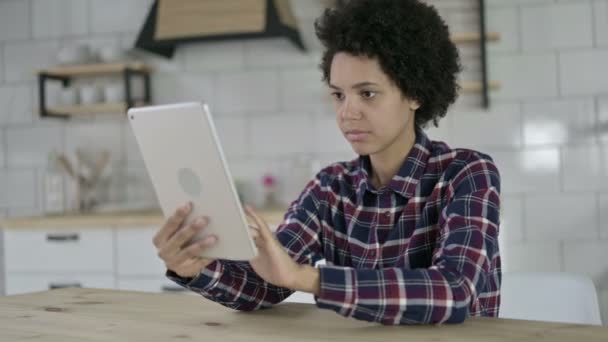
(356, 135)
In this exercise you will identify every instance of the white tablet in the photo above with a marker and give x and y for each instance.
(185, 162)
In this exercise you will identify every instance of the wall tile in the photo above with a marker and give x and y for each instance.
(524, 76)
(16, 105)
(603, 203)
(14, 20)
(248, 91)
(233, 133)
(505, 21)
(303, 89)
(213, 56)
(581, 72)
(113, 16)
(602, 118)
(558, 122)
(30, 146)
(534, 257)
(556, 26)
(276, 52)
(528, 171)
(2, 149)
(182, 87)
(282, 135)
(586, 257)
(552, 218)
(21, 60)
(498, 126)
(18, 188)
(600, 10)
(585, 167)
(59, 18)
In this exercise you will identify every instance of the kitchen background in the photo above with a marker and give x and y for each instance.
(547, 127)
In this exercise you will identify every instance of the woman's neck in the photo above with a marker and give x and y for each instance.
(386, 163)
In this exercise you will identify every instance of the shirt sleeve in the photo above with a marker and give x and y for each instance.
(462, 263)
(236, 285)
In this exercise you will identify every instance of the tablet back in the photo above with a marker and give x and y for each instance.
(185, 162)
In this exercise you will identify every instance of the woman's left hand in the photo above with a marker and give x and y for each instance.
(272, 263)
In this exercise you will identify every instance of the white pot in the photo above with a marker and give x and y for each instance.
(90, 94)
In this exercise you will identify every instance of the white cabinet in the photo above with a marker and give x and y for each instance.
(136, 254)
(59, 250)
(23, 283)
(102, 252)
(42, 259)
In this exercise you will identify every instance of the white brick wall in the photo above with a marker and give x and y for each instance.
(565, 217)
(19, 188)
(547, 128)
(248, 91)
(59, 18)
(17, 105)
(555, 26)
(587, 258)
(558, 122)
(15, 20)
(528, 171)
(600, 11)
(22, 59)
(524, 76)
(584, 72)
(536, 256)
(30, 145)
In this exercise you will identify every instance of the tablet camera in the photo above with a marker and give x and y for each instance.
(190, 182)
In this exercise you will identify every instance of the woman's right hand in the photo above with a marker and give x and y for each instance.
(174, 246)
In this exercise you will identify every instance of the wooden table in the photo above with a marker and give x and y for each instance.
(105, 315)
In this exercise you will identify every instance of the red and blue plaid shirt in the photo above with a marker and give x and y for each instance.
(422, 249)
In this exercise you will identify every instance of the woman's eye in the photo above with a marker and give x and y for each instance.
(368, 94)
(337, 96)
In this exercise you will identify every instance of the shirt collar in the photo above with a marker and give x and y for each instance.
(407, 178)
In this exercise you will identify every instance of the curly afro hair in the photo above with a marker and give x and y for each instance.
(410, 41)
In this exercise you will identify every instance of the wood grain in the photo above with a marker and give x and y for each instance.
(195, 18)
(109, 315)
(143, 218)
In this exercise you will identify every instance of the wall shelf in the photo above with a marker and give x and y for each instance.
(477, 86)
(473, 37)
(65, 74)
(99, 108)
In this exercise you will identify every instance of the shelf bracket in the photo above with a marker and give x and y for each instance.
(485, 87)
(42, 78)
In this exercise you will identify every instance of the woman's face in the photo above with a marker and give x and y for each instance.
(370, 109)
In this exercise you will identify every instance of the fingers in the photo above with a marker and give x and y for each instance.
(192, 252)
(172, 225)
(255, 235)
(184, 235)
(262, 227)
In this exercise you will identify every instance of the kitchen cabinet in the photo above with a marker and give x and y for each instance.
(108, 251)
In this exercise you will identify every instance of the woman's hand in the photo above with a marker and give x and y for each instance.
(273, 263)
(172, 242)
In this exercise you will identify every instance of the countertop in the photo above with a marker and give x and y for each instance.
(108, 315)
(131, 218)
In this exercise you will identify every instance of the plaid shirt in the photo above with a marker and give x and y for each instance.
(422, 249)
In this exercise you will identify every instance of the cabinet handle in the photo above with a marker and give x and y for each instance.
(53, 286)
(168, 288)
(62, 237)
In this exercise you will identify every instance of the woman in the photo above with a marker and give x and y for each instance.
(409, 229)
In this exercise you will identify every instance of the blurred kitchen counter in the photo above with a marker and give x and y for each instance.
(130, 218)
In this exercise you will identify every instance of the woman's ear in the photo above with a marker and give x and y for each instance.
(414, 105)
